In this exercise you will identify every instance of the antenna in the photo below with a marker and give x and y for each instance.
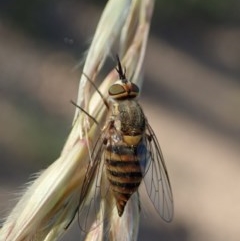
(122, 74)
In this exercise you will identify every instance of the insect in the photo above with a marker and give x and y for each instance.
(126, 153)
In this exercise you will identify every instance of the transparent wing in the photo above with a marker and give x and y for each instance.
(94, 197)
(156, 176)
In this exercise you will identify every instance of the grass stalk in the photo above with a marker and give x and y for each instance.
(49, 202)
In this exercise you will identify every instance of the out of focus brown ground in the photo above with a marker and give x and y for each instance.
(191, 97)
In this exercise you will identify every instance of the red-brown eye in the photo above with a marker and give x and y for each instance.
(135, 89)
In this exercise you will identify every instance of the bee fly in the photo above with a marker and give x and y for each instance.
(128, 152)
(125, 156)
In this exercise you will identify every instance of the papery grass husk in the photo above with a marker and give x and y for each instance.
(49, 203)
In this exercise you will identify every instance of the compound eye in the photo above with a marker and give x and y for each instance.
(135, 88)
(116, 89)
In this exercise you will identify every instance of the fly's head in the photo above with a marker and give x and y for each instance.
(123, 89)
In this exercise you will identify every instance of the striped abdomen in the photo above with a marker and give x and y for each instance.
(124, 171)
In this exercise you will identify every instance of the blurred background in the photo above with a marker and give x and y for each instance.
(191, 96)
